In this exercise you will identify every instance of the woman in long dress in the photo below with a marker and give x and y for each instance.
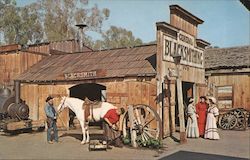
(211, 131)
(192, 126)
(201, 110)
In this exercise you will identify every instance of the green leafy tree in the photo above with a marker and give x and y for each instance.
(20, 24)
(61, 16)
(117, 37)
(4, 3)
(48, 20)
(55, 20)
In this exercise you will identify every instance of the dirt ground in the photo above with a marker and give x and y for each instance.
(34, 146)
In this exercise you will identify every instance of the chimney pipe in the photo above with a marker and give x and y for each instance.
(17, 92)
(80, 28)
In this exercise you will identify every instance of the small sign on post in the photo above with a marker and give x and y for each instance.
(132, 130)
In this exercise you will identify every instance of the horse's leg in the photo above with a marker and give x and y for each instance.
(83, 132)
(87, 132)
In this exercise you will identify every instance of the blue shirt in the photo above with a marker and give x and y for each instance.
(50, 111)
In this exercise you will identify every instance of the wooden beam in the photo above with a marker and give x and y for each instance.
(180, 107)
(132, 131)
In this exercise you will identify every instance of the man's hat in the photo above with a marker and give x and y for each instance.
(203, 97)
(49, 98)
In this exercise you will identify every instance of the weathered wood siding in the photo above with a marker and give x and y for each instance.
(187, 73)
(241, 87)
(119, 93)
(13, 61)
(13, 64)
(125, 93)
(183, 24)
(35, 96)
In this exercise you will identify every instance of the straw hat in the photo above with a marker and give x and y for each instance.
(191, 100)
(212, 99)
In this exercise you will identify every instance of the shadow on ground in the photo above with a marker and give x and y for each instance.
(79, 136)
(185, 155)
(74, 135)
(21, 131)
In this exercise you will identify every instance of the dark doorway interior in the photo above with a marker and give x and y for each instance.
(187, 92)
(91, 90)
(94, 92)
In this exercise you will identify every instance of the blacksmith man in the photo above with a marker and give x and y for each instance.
(51, 120)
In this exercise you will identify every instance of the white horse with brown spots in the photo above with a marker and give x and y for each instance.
(76, 105)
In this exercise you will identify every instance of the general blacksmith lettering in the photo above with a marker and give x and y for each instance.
(188, 54)
(79, 75)
(184, 46)
(186, 39)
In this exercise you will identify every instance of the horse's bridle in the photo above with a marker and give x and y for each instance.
(61, 106)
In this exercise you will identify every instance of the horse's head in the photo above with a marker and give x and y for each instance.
(62, 104)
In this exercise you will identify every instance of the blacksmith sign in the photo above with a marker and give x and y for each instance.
(85, 75)
(184, 45)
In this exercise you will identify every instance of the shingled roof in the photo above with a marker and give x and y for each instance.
(227, 58)
(137, 61)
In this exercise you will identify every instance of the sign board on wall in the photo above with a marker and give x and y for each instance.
(184, 45)
(84, 75)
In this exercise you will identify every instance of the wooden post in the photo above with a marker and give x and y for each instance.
(36, 103)
(180, 107)
(132, 131)
(172, 104)
(165, 116)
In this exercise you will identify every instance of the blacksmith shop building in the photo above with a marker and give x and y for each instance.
(139, 75)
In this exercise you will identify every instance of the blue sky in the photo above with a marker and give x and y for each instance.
(226, 22)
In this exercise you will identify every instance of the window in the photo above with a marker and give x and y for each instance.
(225, 96)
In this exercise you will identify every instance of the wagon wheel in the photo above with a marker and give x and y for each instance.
(227, 121)
(147, 123)
(241, 118)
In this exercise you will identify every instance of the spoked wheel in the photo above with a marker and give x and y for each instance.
(227, 121)
(147, 123)
(241, 119)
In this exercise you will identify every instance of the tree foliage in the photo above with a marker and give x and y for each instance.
(61, 16)
(20, 24)
(117, 37)
(55, 20)
(47, 20)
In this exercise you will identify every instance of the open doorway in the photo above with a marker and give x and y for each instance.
(93, 91)
(187, 92)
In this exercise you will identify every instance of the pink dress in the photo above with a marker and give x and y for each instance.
(211, 131)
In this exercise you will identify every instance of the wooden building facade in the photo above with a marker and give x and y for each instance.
(15, 59)
(119, 76)
(228, 76)
(179, 38)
